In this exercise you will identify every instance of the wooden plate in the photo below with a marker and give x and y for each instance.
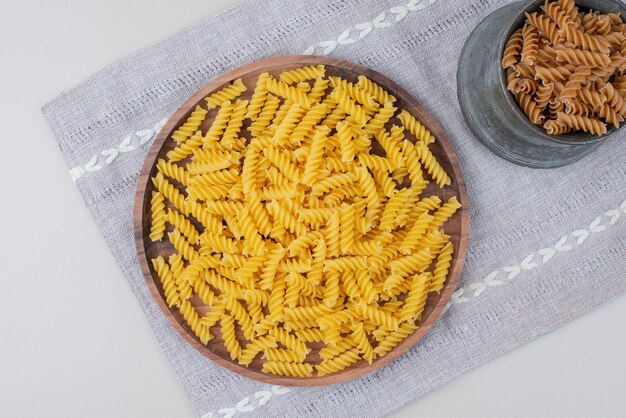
(457, 226)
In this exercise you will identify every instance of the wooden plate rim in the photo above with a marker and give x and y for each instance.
(300, 60)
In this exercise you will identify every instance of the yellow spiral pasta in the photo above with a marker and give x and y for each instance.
(361, 342)
(289, 234)
(283, 355)
(349, 106)
(319, 90)
(231, 343)
(338, 363)
(414, 165)
(190, 126)
(228, 93)
(255, 347)
(289, 92)
(441, 268)
(311, 119)
(157, 216)
(164, 273)
(186, 148)
(258, 97)
(174, 171)
(394, 338)
(264, 119)
(180, 222)
(416, 299)
(193, 320)
(380, 94)
(417, 129)
(346, 141)
(379, 119)
(288, 369)
(303, 74)
(362, 96)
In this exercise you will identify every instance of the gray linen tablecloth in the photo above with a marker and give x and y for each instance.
(546, 246)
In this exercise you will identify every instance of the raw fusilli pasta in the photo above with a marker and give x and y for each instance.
(566, 61)
(291, 234)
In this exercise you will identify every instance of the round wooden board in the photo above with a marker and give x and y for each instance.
(457, 227)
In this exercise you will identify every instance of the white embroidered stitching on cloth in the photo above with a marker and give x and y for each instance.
(262, 397)
(538, 258)
(532, 261)
(359, 31)
(350, 36)
(106, 157)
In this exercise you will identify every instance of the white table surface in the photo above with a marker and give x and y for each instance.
(73, 339)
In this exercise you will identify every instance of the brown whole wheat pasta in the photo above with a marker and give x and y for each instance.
(569, 7)
(557, 14)
(575, 82)
(589, 125)
(513, 50)
(556, 127)
(530, 45)
(566, 68)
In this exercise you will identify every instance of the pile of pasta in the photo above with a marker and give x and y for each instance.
(567, 69)
(303, 248)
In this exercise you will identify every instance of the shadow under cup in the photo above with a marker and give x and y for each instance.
(490, 110)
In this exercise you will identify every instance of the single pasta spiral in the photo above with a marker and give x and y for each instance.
(231, 344)
(228, 93)
(288, 369)
(590, 125)
(190, 126)
(416, 298)
(585, 41)
(529, 106)
(530, 45)
(258, 97)
(157, 210)
(442, 267)
(338, 363)
(512, 50)
(394, 338)
(582, 57)
(303, 74)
